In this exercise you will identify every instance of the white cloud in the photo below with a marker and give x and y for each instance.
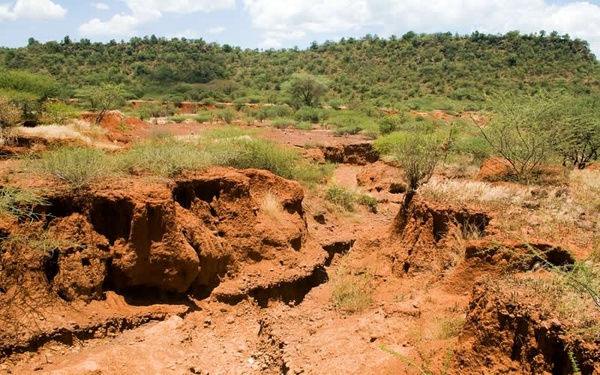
(144, 11)
(578, 19)
(117, 25)
(32, 9)
(188, 34)
(101, 6)
(216, 30)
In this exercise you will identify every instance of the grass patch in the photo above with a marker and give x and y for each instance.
(164, 157)
(78, 166)
(367, 201)
(347, 198)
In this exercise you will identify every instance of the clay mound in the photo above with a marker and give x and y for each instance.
(208, 228)
(511, 328)
(381, 177)
(494, 169)
(354, 153)
(119, 127)
(430, 237)
(498, 169)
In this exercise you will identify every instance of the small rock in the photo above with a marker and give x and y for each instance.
(230, 320)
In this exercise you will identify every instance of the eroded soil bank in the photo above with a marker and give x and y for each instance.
(235, 271)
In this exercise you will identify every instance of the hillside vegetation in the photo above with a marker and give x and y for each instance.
(415, 71)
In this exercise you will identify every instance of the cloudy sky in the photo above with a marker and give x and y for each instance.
(287, 23)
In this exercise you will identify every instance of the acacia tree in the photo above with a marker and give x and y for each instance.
(578, 138)
(417, 154)
(305, 89)
(521, 130)
(103, 98)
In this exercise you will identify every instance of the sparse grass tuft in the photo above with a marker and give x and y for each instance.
(20, 203)
(450, 328)
(352, 288)
(270, 206)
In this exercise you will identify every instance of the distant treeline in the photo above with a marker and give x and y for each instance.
(385, 72)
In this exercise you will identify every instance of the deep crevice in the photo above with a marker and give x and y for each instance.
(290, 291)
(51, 267)
(341, 247)
(112, 219)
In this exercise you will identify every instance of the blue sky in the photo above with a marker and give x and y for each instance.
(268, 24)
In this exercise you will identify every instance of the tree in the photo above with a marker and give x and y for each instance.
(417, 154)
(521, 130)
(577, 138)
(103, 98)
(305, 89)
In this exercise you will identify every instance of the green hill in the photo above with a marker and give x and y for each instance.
(413, 71)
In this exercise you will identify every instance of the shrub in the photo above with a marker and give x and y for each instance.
(282, 123)
(417, 155)
(389, 124)
(347, 130)
(245, 152)
(10, 114)
(367, 201)
(335, 103)
(178, 118)
(303, 125)
(522, 131)
(341, 196)
(227, 115)
(308, 114)
(58, 112)
(274, 111)
(352, 289)
(203, 116)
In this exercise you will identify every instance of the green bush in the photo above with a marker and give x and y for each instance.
(347, 130)
(341, 196)
(227, 115)
(477, 147)
(204, 116)
(335, 103)
(282, 123)
(274, 111)
(351, 122)
(10, 114)
(308, 114)
(367, 201)
(417, 155)
(58, 112)
(178, 118)
(389, 124)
